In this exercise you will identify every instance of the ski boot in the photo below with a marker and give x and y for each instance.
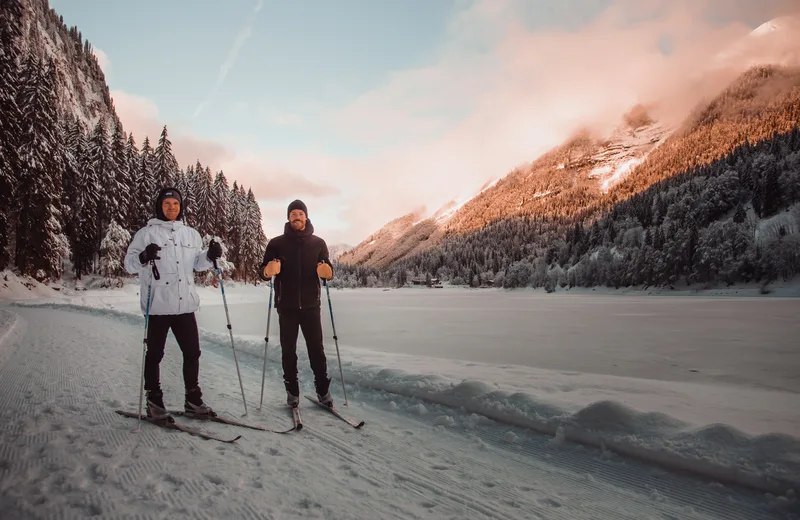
(326, 399)
(155, 406)
(292, 393)
(194, 404)
(324, 393)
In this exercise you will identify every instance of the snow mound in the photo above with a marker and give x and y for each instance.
(619, 419)
(768, 462)
(15, 288)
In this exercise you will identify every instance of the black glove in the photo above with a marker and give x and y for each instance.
(214, 250)
(149, 253)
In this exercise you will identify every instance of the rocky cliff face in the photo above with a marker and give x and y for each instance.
(81, 85)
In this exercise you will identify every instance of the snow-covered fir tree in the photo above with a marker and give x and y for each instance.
(131, 200)
(146, 186)
(254, 241)
(41, 245)
(112, 249)
(10, 117)
(119, 179)
(236, 216)
(222, 203)
(102, 182)
(182, 183)
(165, 166)
(204, 200)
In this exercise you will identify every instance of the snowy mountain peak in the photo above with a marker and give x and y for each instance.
(775, 42)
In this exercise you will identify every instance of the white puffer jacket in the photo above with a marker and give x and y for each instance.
(181, 254)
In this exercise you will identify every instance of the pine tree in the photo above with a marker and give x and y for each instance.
(165, 167)
(41, 244)
(74, 173)
(10, 117)
(182, 183)
(222, 201)
(235, 218)
(204, 201)
(771, 191)
(253, 239)
(103, 180)
(113, 249)
(146, 190)
(130, 199)
(120, 179)
(68, 178)
(190, 200)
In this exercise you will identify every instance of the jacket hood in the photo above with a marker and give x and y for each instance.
(165, 223)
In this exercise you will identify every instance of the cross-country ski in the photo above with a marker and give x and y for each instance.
(225, 420)
(335, 411)
(171, 424)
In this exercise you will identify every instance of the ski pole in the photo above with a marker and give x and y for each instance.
(266, 346)
(335, 339)
(230, 330)
(153, 274)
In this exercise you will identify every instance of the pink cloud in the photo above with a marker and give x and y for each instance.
(526, 94)
(269, 180)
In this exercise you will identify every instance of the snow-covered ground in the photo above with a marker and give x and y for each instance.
(447, 435)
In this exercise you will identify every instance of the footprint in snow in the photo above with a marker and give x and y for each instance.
(549, 502)
(215, 479)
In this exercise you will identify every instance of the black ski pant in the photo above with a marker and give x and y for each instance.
(309, 320)
(184, 328)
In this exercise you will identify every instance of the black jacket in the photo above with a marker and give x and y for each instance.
(297, 286)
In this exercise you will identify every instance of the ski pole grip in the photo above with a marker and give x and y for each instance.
(156, 275)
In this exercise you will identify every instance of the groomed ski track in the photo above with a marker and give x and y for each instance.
(65, 453)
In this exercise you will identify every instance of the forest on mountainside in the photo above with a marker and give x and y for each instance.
(501, 235)
(733, 220)
(762, 101)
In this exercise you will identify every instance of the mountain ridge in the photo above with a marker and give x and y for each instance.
(558, 182)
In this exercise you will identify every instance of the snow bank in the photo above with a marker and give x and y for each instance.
(13, 287)
(768, 462)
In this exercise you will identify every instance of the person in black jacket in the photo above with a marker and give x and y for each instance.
(298, 259)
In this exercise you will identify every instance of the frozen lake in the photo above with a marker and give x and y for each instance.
(742, 341)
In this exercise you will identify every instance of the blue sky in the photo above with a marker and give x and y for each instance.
(299, 56)
(360, 107)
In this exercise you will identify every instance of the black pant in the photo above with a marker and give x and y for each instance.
(184, 328)
(291, 320)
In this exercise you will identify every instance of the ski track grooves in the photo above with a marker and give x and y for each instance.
(397, 466)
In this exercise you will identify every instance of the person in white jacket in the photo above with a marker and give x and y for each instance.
(165, 254)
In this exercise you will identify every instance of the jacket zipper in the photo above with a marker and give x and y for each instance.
(300, 282)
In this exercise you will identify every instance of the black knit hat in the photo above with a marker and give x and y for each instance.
(297, 204)
(168, 193)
